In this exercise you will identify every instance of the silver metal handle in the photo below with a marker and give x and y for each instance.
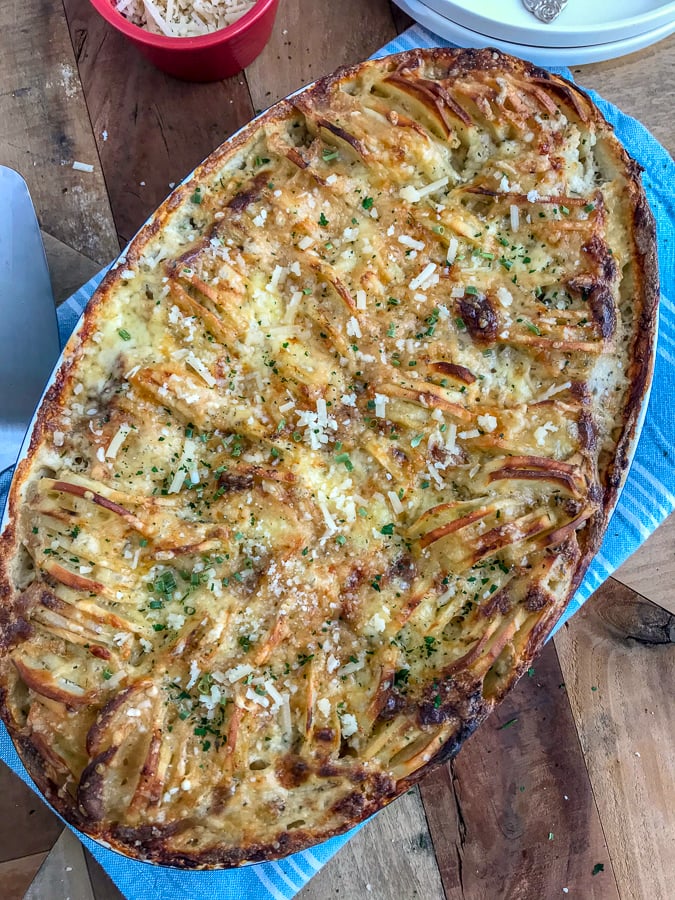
(545, 10)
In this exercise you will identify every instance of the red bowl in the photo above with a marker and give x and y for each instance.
(209, 57)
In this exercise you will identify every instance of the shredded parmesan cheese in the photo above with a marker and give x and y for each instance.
(504, 296)
(408, 241)
(183, 18)
(353, 328)
(414, 195)
(453, 245)
(199, 367)
(396, 504)
(349, 724)
(552, 391)
(117, 441)
(487, 422)
(381, 401)
(323, 705)
(423, 276)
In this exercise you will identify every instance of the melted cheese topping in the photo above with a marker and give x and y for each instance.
(325, 462)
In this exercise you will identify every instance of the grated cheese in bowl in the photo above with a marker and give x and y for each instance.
(183, 18)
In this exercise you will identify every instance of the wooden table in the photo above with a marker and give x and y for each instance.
(577, 795)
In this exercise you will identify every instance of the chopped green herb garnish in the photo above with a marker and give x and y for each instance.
(124, 334)
(507, 724)
(164, 584)
(344, 458)
(401, 677)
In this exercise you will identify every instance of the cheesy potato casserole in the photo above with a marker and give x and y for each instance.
(326, 458)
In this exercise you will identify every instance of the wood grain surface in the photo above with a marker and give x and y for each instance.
(618, 658)
(44, 127)
(524, 822)
(551, 789)
(363, 868)
(331, 35)
(150, 130)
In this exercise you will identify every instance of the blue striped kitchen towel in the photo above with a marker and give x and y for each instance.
(648, 497)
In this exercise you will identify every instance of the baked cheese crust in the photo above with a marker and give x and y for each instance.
(327, 458)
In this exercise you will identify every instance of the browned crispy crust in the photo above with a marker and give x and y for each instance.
(465, 701)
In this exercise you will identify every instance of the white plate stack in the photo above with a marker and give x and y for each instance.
(585, 31)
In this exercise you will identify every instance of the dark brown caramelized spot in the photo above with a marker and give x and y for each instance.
(292, 771)
(394, 703)
(459, 373)
(350, 806)
(252, 193)
(232, 482)
(537, 598)
(500, 602)
(479, 317)
(588, 432)
(603, 311)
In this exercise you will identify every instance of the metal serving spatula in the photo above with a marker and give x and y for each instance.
(29, 340)
(545, 10)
